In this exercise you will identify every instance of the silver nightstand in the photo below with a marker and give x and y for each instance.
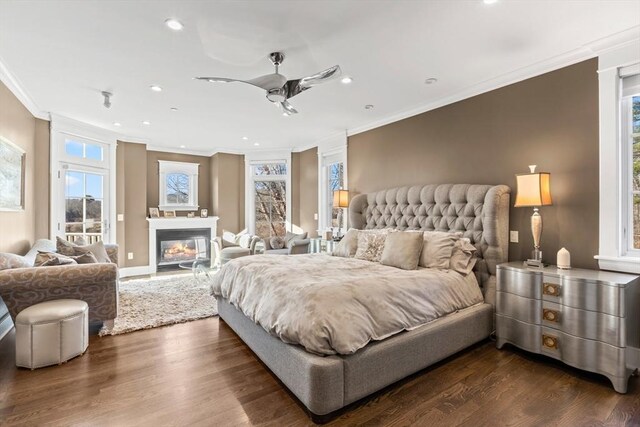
(588, 319)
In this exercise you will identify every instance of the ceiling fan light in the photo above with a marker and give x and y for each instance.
(276, 95)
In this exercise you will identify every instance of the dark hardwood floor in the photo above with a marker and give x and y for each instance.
(200, 373)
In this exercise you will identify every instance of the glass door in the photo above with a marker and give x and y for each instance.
(270, 208)
(84, 203)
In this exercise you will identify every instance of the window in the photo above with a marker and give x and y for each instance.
(83, 150)
(619, 92)
(270, 199)
(178, 183)
(333, 176)
(336, 182)
(630, 142)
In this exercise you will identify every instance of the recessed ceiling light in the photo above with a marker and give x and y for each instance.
(490, 1)
(174, 24)
(256, 144)
(346, 80)
(244, 138)
(146, 122)
(368, 107)
(155, 88)
(174, 109)
(430, 81)
(117, 124)
(182, 146)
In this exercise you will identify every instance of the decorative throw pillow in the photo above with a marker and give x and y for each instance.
(276, 242)
(85, 258)
(8, 261)
(66, 248)
(371, 245)
(462, 257)
(437, 249)
(47, 259)
(289, 238)
(348, 246)
(41, 245)
(97, 249)
(402, 250)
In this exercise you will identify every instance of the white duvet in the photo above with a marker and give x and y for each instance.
(333, 305)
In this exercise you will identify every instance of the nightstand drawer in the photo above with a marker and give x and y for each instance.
(519, 308)
(586, 324)
(584, 294)
(583, 353)
(521, 334)
(525, 283)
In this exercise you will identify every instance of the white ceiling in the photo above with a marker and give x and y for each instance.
(64, 53)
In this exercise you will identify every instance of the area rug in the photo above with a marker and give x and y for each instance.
(159, 301)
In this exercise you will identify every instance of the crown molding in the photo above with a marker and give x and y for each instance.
(14, 85)
(588, 51)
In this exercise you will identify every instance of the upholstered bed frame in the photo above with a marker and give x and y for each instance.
(326, 384)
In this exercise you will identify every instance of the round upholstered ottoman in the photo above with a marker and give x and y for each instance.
(51, 333)
(227, 254)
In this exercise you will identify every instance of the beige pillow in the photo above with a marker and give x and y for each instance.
(348, 246)
(462, 257)
(47, 259)
(437, 249)
(97, 249)
(371, 244)
(66, 248)
(402, 250)
(8, 261)
(290, 237)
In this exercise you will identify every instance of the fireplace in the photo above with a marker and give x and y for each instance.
(177, 246)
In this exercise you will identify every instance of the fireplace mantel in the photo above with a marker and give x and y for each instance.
(179, 223)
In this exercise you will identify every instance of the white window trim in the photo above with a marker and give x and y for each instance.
(251, 159)
(166, 167)
(613, 253)
(62, 127)
(330, 151)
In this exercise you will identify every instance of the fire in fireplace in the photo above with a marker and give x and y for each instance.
(177, 246)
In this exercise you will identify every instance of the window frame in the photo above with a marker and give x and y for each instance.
(260, 158)
(165, 168)
(613, 253)
(626, 145)
(327, 157)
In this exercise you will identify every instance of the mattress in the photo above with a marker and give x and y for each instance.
(331, 305)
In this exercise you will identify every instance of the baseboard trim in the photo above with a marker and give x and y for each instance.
(134, 271)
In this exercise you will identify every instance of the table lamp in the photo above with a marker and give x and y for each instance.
(533, 191)
(340, 201)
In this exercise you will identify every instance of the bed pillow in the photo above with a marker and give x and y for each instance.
(437, 249)
(402, 250)
(97, 249)
(348, 246)
(463, 257)
(371, 245)
(8, 261)
(48, 259)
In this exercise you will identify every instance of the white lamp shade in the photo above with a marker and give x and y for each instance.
(341, 199)
(533, 189)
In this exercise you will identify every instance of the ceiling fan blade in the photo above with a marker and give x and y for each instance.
(268, 81)
(320, 77)
(288, 108)
(219, 80)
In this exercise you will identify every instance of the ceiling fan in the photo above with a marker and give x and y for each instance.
(279, 89)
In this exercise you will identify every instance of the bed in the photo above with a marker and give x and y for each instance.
(329, 381)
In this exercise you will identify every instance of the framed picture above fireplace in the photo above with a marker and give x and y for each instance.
(169, 214)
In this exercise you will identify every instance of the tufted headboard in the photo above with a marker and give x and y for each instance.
(480, 212)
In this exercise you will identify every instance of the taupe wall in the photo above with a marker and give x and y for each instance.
(131, 186)
(19, 229)
(308, 179)
(204, 187)
(550, 120)
(295, 189)
(227, 191)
